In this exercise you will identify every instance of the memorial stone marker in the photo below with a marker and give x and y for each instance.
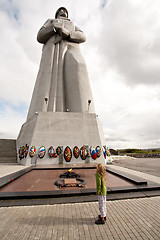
(61, 111)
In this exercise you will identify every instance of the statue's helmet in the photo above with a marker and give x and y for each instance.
(61, 8)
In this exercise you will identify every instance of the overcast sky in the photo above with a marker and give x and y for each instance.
(122, 54)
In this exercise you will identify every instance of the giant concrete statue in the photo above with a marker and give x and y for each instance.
(61, 112)
(62, 80)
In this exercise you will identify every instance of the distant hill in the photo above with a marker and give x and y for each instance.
(145, 153)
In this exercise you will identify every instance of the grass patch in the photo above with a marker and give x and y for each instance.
(135, 151)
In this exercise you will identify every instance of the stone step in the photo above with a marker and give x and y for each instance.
(118, 157)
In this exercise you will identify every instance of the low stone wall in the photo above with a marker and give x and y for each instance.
(144, 155)
(8, 153)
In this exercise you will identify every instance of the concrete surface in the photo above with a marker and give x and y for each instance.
(145, 165)
(137, 218)
(60, 129)
(146, 176)
(7, 169)
(126, 219)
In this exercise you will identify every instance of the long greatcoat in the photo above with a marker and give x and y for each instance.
(62, 83)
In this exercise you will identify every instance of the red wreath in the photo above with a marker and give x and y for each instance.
(76, 152)
(67, 154)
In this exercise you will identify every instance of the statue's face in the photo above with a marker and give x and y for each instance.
(62, 13)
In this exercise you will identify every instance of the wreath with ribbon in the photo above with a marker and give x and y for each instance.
(32, 151)
(67, 154)
(83, 152)
(58, 150)
(76, 152)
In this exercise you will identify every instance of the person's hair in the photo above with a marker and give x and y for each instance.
(59, 10)
(101, 170)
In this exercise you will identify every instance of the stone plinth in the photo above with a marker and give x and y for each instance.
(60, 129)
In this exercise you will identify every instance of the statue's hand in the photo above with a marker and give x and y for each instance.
(57, 25)
(64, 32)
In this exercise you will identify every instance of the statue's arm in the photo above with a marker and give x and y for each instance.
(46, 31)
(77, 36)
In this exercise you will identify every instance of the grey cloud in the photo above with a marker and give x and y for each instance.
(129, 42)
(116, 139)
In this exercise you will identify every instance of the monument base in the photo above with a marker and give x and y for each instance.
(60, 129)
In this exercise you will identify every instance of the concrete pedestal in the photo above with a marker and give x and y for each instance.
(60, 129)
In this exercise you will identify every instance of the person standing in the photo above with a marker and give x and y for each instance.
(101, 191)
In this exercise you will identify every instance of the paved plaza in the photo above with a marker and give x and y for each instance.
(126, 219)
(144, 165)
(130, 218)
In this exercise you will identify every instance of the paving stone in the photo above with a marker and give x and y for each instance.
(126, 219)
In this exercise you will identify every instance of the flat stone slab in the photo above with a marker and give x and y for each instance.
(44, 180)
(135, 179)
(38, 182)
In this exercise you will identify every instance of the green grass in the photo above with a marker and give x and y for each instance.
(134, 151)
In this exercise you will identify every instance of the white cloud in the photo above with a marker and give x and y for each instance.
(10, 122)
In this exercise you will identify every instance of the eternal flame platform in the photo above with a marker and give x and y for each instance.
(38, 183)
